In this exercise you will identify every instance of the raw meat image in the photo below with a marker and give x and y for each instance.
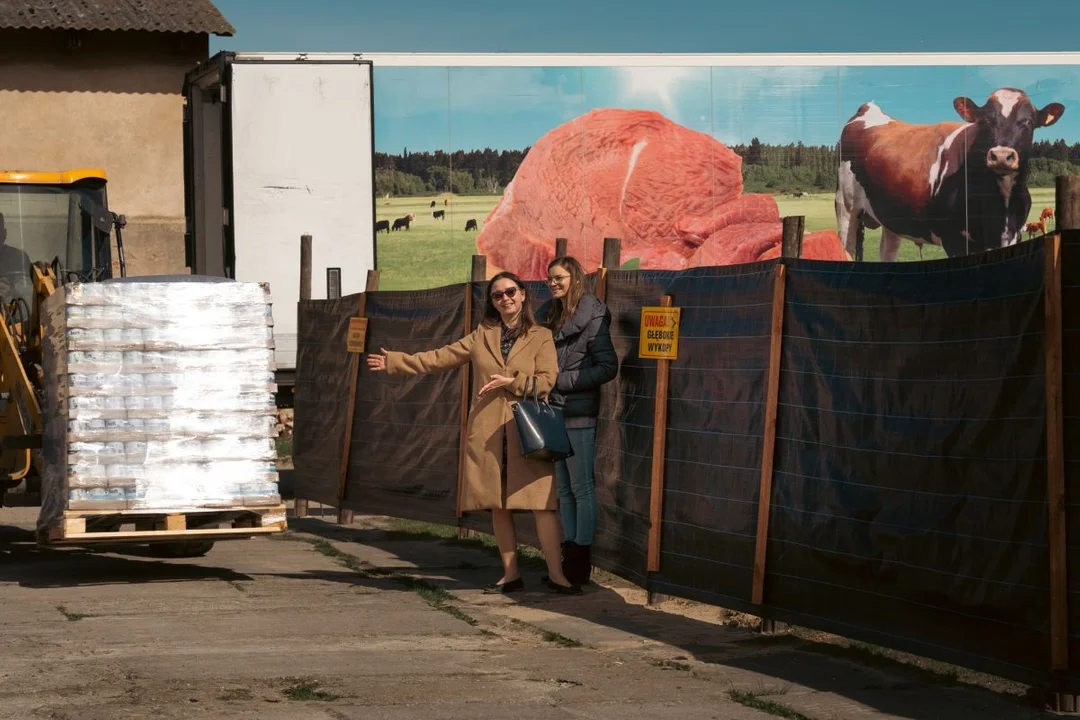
(671, 194)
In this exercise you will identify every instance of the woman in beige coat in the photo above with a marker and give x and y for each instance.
(509, 351)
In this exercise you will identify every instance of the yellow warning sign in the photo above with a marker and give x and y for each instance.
(659, 333)
(357, 334)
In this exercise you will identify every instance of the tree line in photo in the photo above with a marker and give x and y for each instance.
(794, 167)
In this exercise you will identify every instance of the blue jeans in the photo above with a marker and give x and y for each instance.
(574, 479)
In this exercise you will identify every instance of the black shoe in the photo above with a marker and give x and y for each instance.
(563, 589)
(503, 588)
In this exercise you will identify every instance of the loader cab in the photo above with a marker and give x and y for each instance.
(60, 219)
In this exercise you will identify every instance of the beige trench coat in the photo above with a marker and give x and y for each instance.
(530, 484)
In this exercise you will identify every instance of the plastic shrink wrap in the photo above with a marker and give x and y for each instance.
(159, 396)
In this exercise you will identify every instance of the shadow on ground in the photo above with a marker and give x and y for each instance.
(857, 673)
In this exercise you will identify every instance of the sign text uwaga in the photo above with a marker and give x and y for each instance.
(659, 333)
(357, 334)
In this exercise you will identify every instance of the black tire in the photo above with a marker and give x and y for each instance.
(181, 549)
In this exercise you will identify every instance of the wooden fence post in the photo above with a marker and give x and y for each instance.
(345, 516)
(612, 253)
(1067, 209)
(300, 505)
(791, 244)
(609, 260)
(659, 451)
(767, 454)
(560, 247)
(305, 267)
(479, 274)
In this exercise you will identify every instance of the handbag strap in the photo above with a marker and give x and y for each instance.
(535, 393)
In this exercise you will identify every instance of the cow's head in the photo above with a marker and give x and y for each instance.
(1007, 124)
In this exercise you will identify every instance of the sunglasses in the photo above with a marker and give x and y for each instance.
(508, 292)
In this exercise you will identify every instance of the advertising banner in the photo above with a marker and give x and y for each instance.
(695, 166)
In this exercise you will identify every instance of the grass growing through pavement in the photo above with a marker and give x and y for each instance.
(308, 691)
(71, 616)
(433, 595)
(417, 530)
(559, 639)
(757, 701)
(671, 665)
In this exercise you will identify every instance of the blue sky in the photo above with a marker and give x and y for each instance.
(468, 108)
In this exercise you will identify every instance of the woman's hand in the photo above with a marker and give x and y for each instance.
(496, 382)
(376, 362)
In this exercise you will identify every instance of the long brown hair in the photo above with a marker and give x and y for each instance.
(491, 313)
(564, 308)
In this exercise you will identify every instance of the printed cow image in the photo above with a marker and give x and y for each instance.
(381, 225)
(962, 186)
(470, 224)
(438, 214)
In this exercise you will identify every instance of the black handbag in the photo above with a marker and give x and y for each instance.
(541, 429)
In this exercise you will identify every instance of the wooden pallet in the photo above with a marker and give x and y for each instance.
(80, 527)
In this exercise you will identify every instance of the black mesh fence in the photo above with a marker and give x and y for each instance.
(624, 431)
(716, 402)
(321, 390)
(909, 489)
(407, 429)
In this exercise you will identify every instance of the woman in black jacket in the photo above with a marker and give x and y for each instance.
(580, 322)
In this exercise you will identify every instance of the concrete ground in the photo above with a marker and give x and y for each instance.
(362, 622)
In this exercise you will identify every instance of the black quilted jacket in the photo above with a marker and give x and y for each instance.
(587, 358)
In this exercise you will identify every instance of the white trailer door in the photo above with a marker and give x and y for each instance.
(302, 163)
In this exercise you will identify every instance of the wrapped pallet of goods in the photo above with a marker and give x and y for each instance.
(159, 411)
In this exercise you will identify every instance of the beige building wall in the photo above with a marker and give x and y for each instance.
(110, 100)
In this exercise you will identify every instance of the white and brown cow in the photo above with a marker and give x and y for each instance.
(962, 186)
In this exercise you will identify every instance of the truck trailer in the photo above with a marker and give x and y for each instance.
(277, 146)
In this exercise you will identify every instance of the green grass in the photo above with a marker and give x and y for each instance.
(671, 665)
(559, 639)
(757, 701)
(431, 253)
(308, 691)
(71, 616)
(434, 253)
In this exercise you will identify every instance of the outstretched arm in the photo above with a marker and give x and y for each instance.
(444, 358)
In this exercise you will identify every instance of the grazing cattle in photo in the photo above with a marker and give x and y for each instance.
(446, 201)
(1035, 228)
(382, 225)
(1047, 214)
(432, 204)
(439, 214)
(962, 186)
(402, 222)
(470, 224)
